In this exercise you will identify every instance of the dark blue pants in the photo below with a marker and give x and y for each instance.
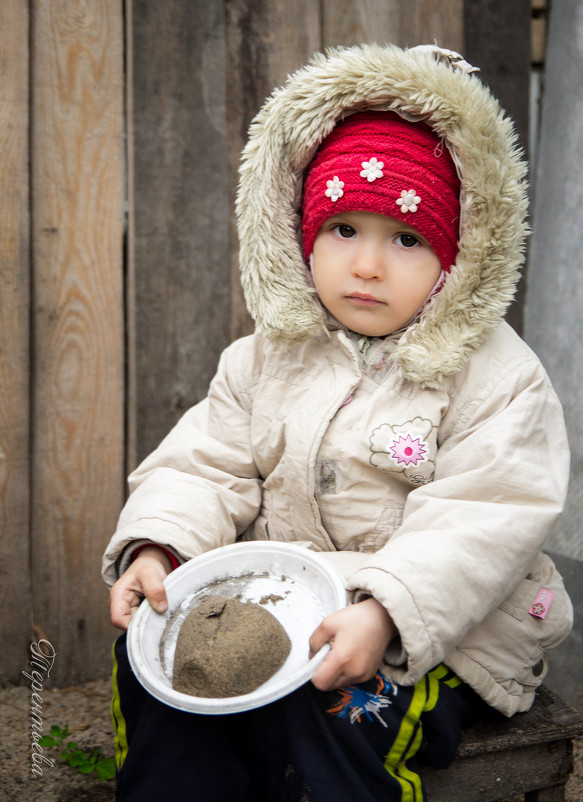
(358, 744)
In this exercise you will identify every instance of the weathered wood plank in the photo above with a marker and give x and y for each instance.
(180, 212)
(499, 775)
(266, 41)
(425, 22)
(497, 40)
(131, 440)
(348, 22)
(549, 719)
(501, 757)
(554, 794)
(77, 181)
(15, 597)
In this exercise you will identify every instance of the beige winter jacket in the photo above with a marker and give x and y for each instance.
(429, 466)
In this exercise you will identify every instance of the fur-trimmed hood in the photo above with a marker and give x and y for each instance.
(423, 83)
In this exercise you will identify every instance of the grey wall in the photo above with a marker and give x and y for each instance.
(553, 315)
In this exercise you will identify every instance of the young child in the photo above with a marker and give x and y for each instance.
(383, 415)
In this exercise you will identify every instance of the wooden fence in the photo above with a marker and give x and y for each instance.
(121, 126)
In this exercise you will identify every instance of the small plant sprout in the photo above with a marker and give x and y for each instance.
(84, 762)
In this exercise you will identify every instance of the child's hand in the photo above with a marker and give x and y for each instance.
(144, 577)
(358, 636)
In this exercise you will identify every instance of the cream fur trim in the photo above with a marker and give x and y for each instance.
(283, 139)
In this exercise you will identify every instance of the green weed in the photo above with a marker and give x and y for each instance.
(85, 762)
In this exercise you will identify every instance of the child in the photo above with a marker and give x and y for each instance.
(384, 415)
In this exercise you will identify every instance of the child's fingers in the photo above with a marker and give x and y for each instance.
(326, 678)
(122, 605)
(154, 590)
(330, 673)
(320, 637)
(144, 577)
(152, 566)
(358, 636)
(334, 670)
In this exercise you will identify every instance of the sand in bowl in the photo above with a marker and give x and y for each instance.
(226, 647)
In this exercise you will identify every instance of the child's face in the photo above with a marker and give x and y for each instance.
(372, 272)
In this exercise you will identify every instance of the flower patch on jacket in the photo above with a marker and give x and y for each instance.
(407, 448)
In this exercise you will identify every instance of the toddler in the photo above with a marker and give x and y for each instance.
(384, 415)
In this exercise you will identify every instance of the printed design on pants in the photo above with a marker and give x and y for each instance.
(406, 448)
(356, 703)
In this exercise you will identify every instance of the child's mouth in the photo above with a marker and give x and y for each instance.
(363, 300)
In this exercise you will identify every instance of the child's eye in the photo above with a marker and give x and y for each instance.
(345, 231)
(408, 240)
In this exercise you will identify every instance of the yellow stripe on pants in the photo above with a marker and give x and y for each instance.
(408, 740)
(118, 720)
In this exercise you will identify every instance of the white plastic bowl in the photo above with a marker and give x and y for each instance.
(301, 586)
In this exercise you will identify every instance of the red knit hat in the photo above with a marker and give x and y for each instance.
(375, 161)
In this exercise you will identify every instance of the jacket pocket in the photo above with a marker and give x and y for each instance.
(552, 629)
(510, 644)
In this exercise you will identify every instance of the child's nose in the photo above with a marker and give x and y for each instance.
(369, 262)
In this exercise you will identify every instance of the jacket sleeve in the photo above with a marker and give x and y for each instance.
(200, 488)
(469, 537)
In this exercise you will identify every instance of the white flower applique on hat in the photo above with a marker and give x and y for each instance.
(409, 200)
(373, 169)
(334, 190)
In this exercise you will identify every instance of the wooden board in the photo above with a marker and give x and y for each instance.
(77, 241)
(345, 22)
(15, 596)
(499, 776)
(428, 22)
(503, 757)
(393, 21)
(180, 188)
(266, 41)
(497, 40)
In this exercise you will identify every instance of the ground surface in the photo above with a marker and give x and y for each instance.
(85, 709)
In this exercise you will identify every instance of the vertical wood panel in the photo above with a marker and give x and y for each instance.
(131, 387)
(425, 22)
(497, 35)
(347, 22)
(15, 598)
(266, 40)
(180, 215)
(78, 326)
